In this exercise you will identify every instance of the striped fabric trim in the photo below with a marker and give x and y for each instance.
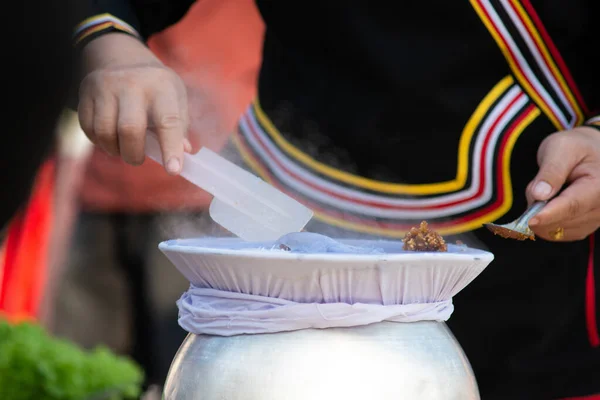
(99, 23)
(593, 121)
(543, 74)
(487, 146)
(368, 185)
(533, 59)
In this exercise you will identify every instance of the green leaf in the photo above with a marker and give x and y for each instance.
(34, 365)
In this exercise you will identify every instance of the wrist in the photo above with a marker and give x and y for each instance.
(116, 49)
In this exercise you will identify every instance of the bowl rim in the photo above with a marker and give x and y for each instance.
(458, 253)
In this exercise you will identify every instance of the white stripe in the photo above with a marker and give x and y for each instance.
(416, 202)
(593, 120)
(382, 212)
(540, 62)
(489, 159)
(98, 21)
(523, 63)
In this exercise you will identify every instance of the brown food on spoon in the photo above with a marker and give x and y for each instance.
(509, 233)
(424, 239)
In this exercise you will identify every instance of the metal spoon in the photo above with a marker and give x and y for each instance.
(519, 228)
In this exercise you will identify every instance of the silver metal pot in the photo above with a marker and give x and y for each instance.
(383, 361)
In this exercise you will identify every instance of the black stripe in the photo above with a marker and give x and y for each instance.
(289, 189)
(409, 221)
(530, 59)
(385, 195)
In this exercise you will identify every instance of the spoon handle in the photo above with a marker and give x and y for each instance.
(531, 212)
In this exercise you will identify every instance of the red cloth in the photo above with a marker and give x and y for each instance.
(24, 260)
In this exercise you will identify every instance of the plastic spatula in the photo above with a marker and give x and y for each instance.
(243, 204)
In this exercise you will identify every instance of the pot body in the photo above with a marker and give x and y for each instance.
(383, 361)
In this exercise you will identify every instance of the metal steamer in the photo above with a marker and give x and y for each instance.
(384, 360)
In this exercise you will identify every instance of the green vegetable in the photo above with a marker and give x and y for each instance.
(34, 365)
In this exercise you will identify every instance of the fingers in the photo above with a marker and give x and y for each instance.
(170, 126)
(117, 106)
(574, 202)
(131, 126)
(571, 234)
(567, 157)
(105, 123)
(576, 229)
(557, 157)
(85, 111)
(187, 146)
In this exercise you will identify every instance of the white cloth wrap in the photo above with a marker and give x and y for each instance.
(221, 313)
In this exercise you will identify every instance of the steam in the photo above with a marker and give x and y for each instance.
(213, 114)
(188, 225)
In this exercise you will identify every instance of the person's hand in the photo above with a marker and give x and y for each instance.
(570, 159)
(128, 90)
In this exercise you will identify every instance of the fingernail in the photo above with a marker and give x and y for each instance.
(187, 146)
(542, 190)
(534, 221)
(173, 165)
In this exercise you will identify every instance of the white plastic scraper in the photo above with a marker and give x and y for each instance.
(243, 204)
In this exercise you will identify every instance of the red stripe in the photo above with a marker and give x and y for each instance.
(26, 249)
(590, 298)
(396, 226)
(491, 21)
(591, 397)
(540, 50)
(556, 55)
(13, 241)
(386, 206)
(92, 27)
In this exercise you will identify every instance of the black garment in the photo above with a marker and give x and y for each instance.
(387, 96)
(37, 65)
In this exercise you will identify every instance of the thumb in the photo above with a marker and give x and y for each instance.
(556, 159)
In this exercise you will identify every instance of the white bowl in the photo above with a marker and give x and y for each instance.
(395, 277)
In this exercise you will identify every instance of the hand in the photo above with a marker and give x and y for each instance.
(573, 158)
(127, 91)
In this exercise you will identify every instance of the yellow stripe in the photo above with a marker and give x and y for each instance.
(555, 70)
(451, 230)
(459, 228)
(593, 121)
(522, 80)
(92, 18)
(110, 17)
(91, 31)
(111, 22)
(395, 188)
(248, 159)
(103, 26)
